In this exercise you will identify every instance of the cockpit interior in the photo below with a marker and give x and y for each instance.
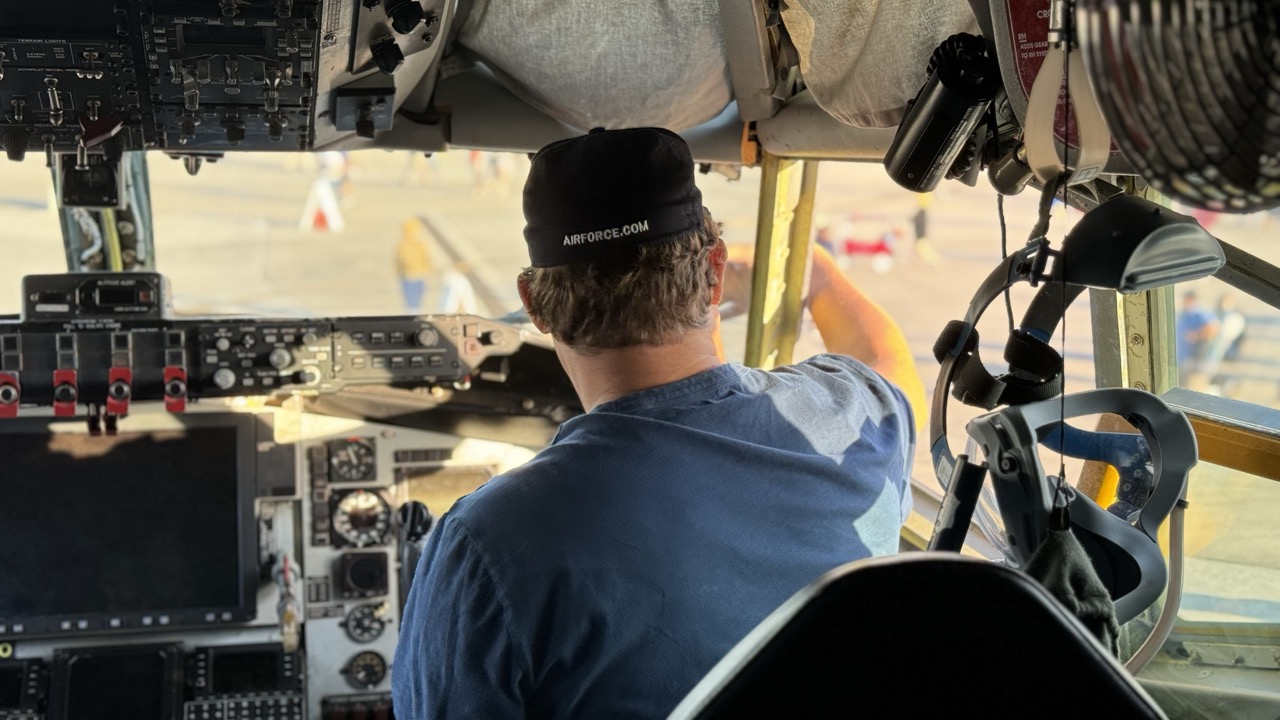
(217, 515)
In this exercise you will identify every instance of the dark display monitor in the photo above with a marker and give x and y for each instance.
(116, 683)
(236, 673)
(147, 529)
(12, 679)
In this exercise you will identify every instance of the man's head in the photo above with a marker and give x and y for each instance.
(622, 251)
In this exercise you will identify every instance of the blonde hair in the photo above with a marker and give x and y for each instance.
(649, 300)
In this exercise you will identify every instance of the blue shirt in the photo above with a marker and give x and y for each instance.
(606, 576)
(1190, 322)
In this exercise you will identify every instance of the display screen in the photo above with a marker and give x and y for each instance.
(116, 686)
(223, 39)
(119, 525)
(245, 672)
(11, 686)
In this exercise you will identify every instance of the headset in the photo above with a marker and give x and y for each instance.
(1126, 244)
(1126, 556)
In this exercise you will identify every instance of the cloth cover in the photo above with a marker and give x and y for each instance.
(1063, 567)
(607, 63)
(863, 60)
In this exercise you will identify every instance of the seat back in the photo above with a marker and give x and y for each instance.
(918, 635)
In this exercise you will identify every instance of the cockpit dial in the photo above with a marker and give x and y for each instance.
(365, 670)
(352, 460)
(361, 517)
(365, 623)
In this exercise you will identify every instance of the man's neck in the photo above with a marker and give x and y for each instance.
(610, 374)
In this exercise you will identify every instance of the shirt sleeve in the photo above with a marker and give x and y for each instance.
(455, 657)
(869, 392)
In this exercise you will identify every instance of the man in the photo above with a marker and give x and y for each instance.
(606, 576)
(413, 264)
(1196, 327)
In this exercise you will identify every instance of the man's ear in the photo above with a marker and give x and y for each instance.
(719, 259)
(522, 286)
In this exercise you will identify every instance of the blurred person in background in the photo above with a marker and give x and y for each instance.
(413, 264)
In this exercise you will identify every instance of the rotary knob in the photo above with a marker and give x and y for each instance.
(387, 54)
(405, 15)
(307, 376)
(224, 378)
(280, 358)
(8, 394)
(222, 344)
(16, 142)
(427, 337)
(119, 390)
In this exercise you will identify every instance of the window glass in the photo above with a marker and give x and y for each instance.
(1232, 547)
(922, 258)
(1228, 343)
(31, 232)
(329, 233)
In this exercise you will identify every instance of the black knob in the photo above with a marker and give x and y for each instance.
(275, 128)
(387, 54)
(16, 142)
(119, 390)
(365, 128)
(415, 520)
(235, 131)
(8, 394)
(306, 376)
(175, 388)
(405, 14)
(64, 393)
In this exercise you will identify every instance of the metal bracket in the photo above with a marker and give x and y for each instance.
(782, 248)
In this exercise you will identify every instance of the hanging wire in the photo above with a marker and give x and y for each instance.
(1004, 255)
(1068, 36)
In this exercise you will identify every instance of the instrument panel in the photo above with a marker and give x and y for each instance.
(217, 563)
(335, 555)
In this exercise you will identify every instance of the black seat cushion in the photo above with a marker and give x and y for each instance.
(919, 635)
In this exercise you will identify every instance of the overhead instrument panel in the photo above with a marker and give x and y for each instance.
(90, 79)
(82, 81)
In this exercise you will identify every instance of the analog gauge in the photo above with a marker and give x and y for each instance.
(351, 460)
(365, 670)
(365, 623)
(361, 517)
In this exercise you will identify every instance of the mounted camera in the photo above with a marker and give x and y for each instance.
(937, 136)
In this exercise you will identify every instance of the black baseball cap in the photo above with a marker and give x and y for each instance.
(602, 195)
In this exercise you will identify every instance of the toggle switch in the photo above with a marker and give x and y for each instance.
(175, 389)
(10, 394)
(119, 390)
(66, 392)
